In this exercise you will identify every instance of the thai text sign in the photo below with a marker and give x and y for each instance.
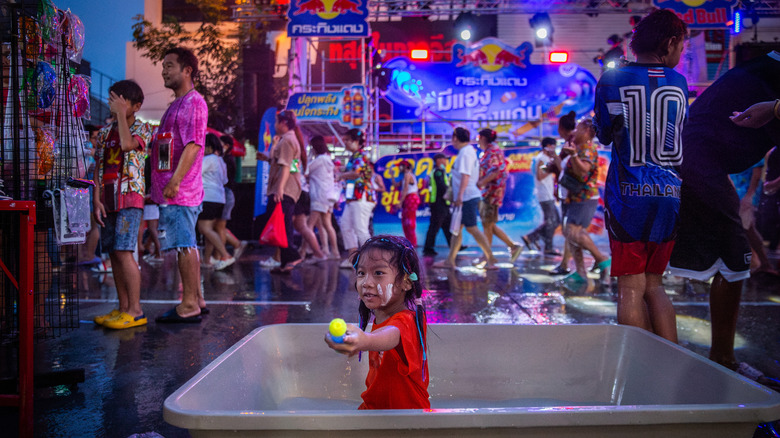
(345, 107)
(328, 18)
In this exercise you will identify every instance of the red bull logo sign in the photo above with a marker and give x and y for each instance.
(700, 13)
(492, 56)
(328, 18)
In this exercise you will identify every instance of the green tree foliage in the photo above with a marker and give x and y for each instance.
(219, 79)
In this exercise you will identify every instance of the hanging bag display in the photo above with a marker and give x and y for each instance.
(275, 233)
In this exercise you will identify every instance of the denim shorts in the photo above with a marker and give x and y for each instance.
(470, 209)
(121, 230)
(579, 213)
(177, 226)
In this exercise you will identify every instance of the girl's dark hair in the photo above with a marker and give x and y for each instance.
(288, 118)
(404, 258)
(652, 34)
(489, 134)
(318, 144)
(568, 122)
(213, 142)
(185, 58)
(357, 135)
(228, 141)
(462, 134)
(128, 89)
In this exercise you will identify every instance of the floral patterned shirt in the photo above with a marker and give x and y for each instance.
(492, 161)
(587, 152)
(132, 162)
(360, 163)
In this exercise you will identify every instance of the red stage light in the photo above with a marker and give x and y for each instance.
(419, 54)
(559, 57)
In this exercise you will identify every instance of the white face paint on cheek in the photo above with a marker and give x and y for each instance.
(387, 295)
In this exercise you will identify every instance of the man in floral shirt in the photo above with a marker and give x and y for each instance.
(492, 181)
(119, 199)
(361, 199)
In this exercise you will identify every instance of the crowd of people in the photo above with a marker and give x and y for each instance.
(669, 202)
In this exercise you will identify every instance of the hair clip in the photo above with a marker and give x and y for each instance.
(413, 276)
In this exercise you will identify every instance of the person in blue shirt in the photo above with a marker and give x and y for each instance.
(640, 109)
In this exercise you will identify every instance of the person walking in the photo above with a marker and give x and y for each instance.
(466, 195)
(440, 207)
(214, 174)
(492, 181)
(284, 185)
(409, 201)
(543, 167)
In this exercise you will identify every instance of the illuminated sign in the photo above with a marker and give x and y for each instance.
(328, 18)
(490, 84)
(345, 107)
(707, 14)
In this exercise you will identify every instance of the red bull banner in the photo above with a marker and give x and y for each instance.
(519, 215)
(328, 18)
(346, 107)
(701, 14)
(488, 84)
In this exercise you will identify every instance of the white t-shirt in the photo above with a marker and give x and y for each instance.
(214, 174)
(466, 163)
(544, 188)
(320, 178)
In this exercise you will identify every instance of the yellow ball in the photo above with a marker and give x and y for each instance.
(337, 327)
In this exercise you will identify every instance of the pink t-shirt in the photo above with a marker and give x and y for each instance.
(186, 121)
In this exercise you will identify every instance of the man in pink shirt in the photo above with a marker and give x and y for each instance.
(177, 186)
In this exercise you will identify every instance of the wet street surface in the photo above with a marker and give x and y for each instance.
(129, 373)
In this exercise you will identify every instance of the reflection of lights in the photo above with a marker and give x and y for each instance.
(492, 297)
(593, 306)
(699, 331)
(610, 64)
(774, 298)
(538, 278)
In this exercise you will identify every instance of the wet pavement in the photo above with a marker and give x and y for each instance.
(129, 373)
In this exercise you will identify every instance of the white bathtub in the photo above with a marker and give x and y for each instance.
(486, 380)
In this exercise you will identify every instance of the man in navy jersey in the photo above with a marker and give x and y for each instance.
(640, 109)
(711, 240)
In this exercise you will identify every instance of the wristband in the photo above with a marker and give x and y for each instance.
(776, 109)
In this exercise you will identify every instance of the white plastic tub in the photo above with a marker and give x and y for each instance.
(486, 380)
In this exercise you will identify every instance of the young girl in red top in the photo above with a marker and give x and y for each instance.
(390, 290)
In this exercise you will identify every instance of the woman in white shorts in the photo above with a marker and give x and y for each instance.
(321, 193)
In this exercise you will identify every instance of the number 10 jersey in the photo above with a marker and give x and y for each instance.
(640, 109)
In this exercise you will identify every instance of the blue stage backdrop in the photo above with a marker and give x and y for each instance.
(519, 215)
(486, 82)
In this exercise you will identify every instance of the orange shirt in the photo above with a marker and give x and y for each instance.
(395, 377)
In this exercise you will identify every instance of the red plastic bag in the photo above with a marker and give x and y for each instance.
(274, 233)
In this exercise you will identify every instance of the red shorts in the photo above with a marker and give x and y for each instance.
(640, 257)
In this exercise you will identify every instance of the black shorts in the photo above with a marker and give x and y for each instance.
(710, 238)
(303, 206)
(211, 211)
